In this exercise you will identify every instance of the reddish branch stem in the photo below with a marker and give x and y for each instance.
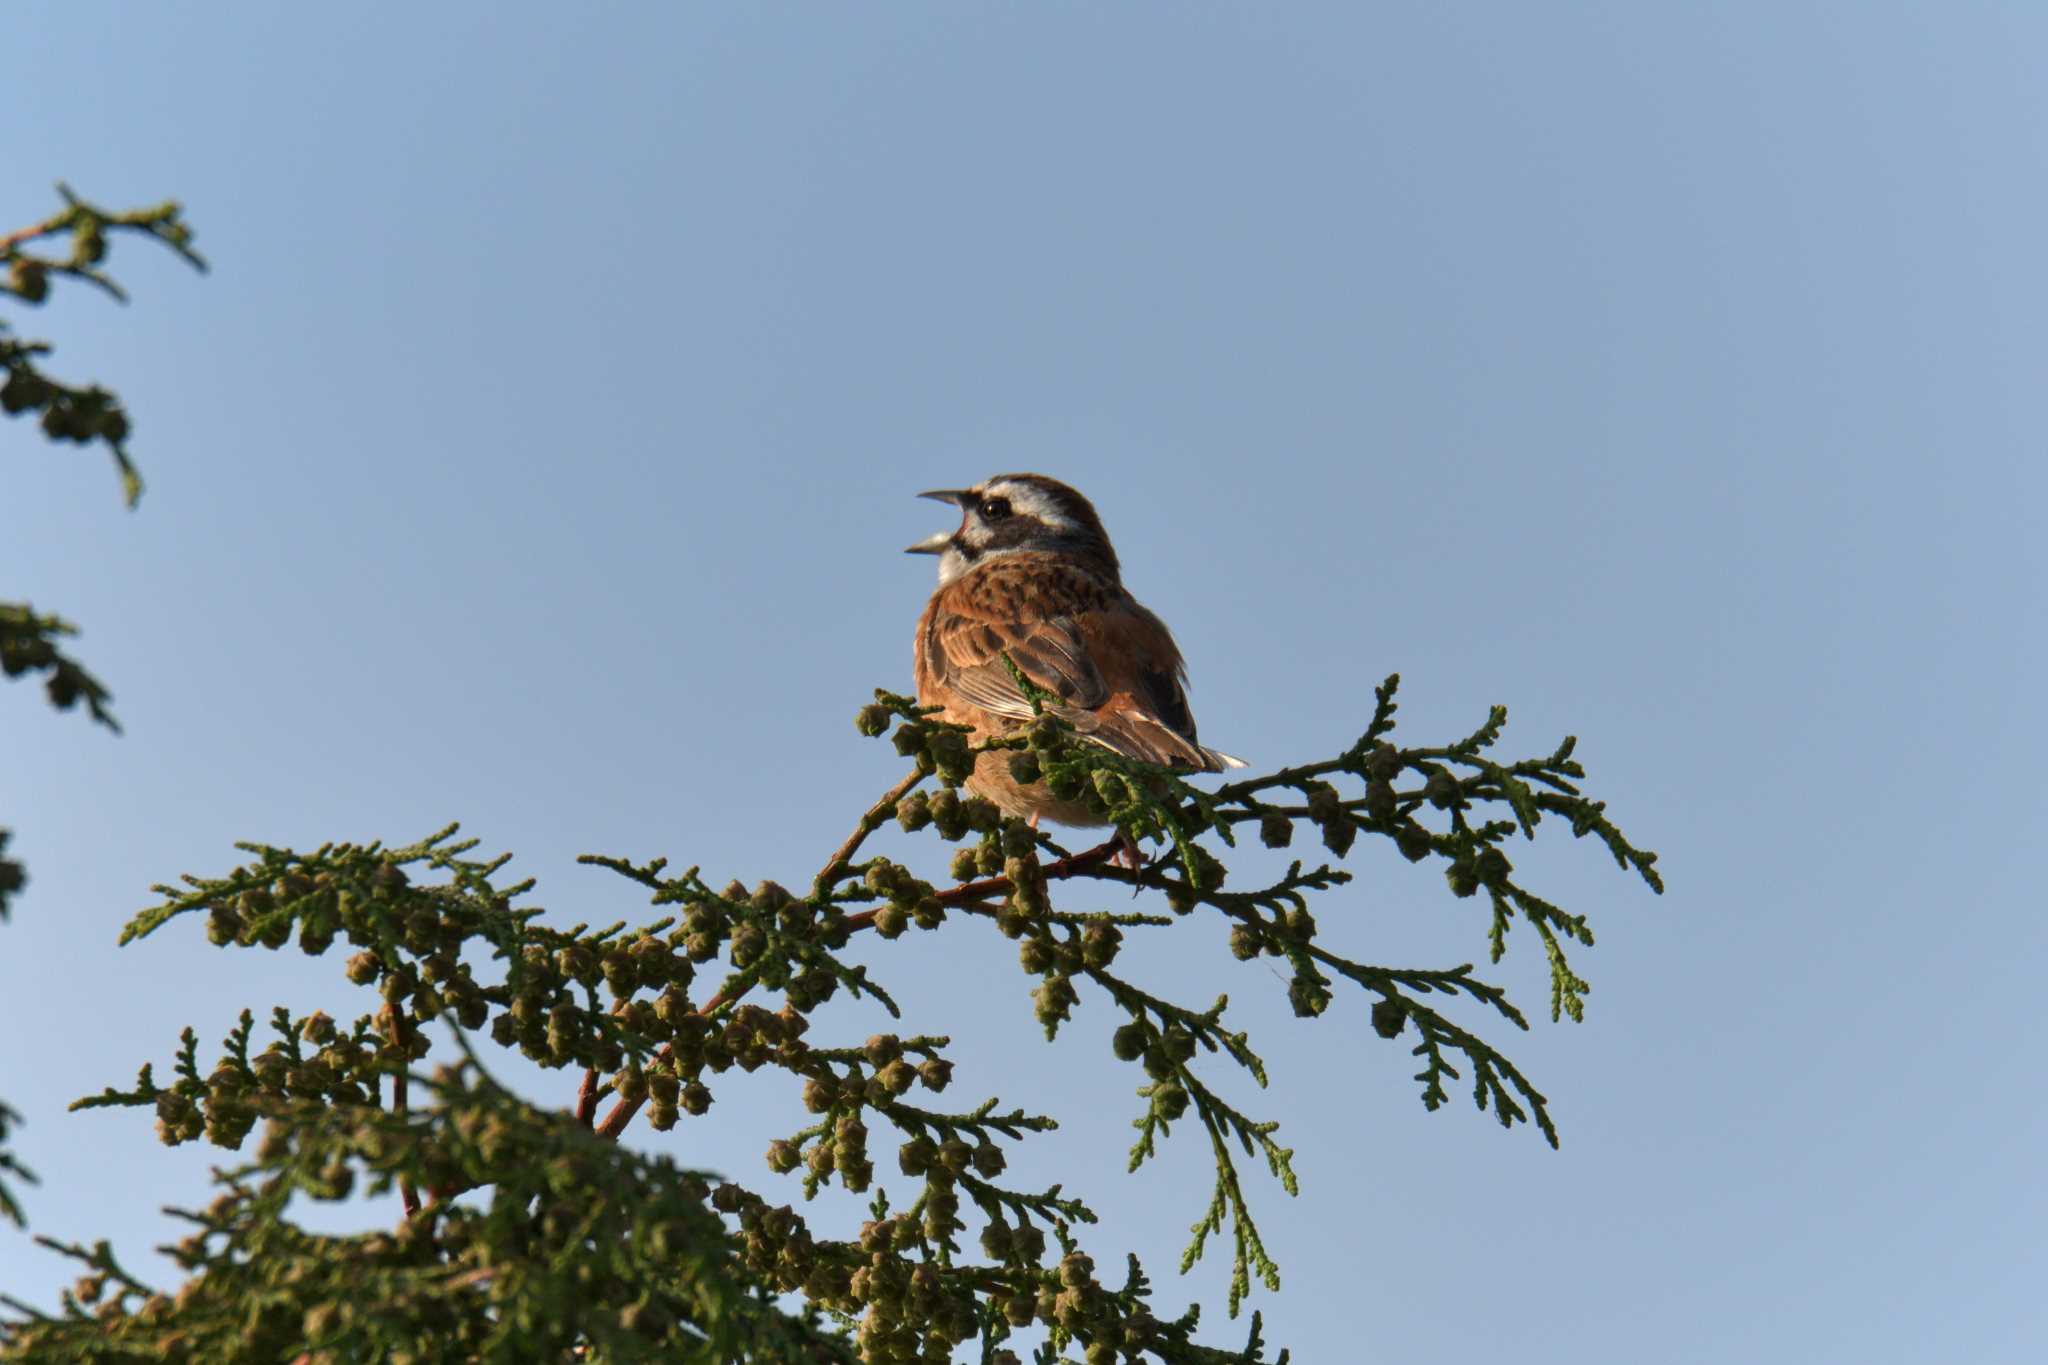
(28, 234)
(1072, 865)
(869, 823)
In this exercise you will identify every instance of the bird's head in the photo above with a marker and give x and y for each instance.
(1014, 513)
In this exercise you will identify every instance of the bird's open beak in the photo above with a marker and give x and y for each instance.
(936, 544)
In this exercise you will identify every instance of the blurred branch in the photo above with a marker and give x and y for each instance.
(74, 413)
(28, 645)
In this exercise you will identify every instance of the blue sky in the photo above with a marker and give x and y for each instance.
(540, 451)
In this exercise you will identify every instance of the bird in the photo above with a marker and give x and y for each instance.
(1031, 573)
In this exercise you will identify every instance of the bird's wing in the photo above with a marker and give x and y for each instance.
(1111, 664)
(966, 646)
(1147, 715)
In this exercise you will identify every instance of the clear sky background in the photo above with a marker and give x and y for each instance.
(540, 452)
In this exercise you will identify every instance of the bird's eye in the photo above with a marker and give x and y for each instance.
(994, 509)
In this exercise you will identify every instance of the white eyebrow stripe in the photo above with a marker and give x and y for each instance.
(1032, 502)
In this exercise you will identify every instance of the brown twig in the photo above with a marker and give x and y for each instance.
(622, 1112)
(586, 1098)
(835, 866)
(408, 1193)
(33, 231)
(1072, 865)
(160, 222)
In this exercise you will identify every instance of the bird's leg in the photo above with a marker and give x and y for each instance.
(1128, 854)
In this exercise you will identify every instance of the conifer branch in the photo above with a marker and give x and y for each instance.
(617, 1005)
(72, 413)
(28, 645)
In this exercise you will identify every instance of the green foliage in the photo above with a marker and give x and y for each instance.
(577, 1243)
(79, 415)
(10, 1208)
(581, 1243)
(73, 244)
(12, 875)
(28, 644)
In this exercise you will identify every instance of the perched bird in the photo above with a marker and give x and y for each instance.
(1031, 573)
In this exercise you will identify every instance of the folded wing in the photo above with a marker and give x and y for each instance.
(1111, 665)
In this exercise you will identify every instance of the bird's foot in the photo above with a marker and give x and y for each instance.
(1128, 854)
